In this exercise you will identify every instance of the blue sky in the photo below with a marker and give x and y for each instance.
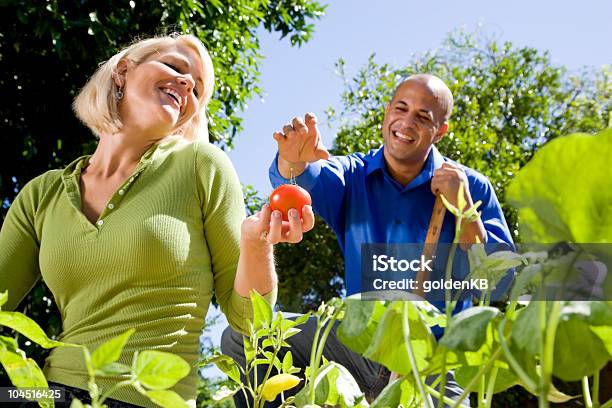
(299, 80)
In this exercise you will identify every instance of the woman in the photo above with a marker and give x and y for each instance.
(142, 232)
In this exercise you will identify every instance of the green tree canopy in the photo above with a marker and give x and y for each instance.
(508, 102)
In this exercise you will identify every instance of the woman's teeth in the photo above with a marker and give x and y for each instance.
(172, 94)
(402, 136)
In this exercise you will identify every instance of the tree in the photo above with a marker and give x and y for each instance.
(49, 49)
(508, 102)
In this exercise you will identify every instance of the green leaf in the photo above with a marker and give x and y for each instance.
(262, 311)
(578, 351)
(110, 351)
(8, 343)
(554, 395)
(525, 279)
(400, 392)
(388, 347)
(290, 332)
(560, 201)
(360, 322)
(605, 335)
(225, 392)
(76, 403)
(302, 319)
(467, 330)
(159, 370)
(3, 298)
(226, 364)
(113, 369)
(249, 350)
(526, 329)
(287, 362)
(167, 399)
(504, 379)
(28, 327)
(22, 371)
(334, 385)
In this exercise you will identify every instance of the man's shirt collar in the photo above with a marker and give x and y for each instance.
(376, 162)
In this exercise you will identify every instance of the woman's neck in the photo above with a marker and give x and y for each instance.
(117, 153)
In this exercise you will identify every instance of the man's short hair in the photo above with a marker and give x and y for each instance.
(440, 90)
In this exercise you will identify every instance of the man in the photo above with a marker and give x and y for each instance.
(385, 196)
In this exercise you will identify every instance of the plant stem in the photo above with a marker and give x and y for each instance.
(260, 400)
(481, 392)
(543, 386)
(413, 364)
(549, 351)
(246, 398)
(442, 386)
(449, 304)
(321, 345)
(313, 368)
(512, 361)
(436, 394)
(481, 371)
(491, 387)
(114, 388)
(596, 389)
(608, 404)
(586, 393)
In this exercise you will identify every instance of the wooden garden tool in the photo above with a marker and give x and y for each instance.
(429, 249)
(431, 241)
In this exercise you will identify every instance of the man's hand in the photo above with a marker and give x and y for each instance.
(267, 227)
(446, 181)
(299, 144)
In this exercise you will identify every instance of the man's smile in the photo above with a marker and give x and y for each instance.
(403, 137)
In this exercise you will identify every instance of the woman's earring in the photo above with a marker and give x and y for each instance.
(119, 94)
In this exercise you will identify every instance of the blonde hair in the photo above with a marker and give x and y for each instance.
(96, 103)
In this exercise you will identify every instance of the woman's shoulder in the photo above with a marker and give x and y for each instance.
(45, 181)
(210, 156)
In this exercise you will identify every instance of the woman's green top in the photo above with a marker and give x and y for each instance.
(166, 241)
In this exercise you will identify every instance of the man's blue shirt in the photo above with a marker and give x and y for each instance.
(362, 203)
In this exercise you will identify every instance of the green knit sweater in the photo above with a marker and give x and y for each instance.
(167, 240)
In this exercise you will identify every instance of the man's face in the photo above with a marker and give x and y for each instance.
(413, 122)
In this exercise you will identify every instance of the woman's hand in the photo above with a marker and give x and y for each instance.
(268, 228)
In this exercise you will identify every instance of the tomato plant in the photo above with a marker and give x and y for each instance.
(288, 196)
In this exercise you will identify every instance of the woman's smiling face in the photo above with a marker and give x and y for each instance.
(163, 92)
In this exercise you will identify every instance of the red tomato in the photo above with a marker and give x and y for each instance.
(288, 196)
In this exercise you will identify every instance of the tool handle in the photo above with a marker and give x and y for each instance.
(431, 240)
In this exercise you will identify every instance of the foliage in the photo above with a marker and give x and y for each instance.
(583, 215)
(152, 373)
(267, 336)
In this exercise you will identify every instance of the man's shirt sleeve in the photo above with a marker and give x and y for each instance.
(327, 182)
(491, 212)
